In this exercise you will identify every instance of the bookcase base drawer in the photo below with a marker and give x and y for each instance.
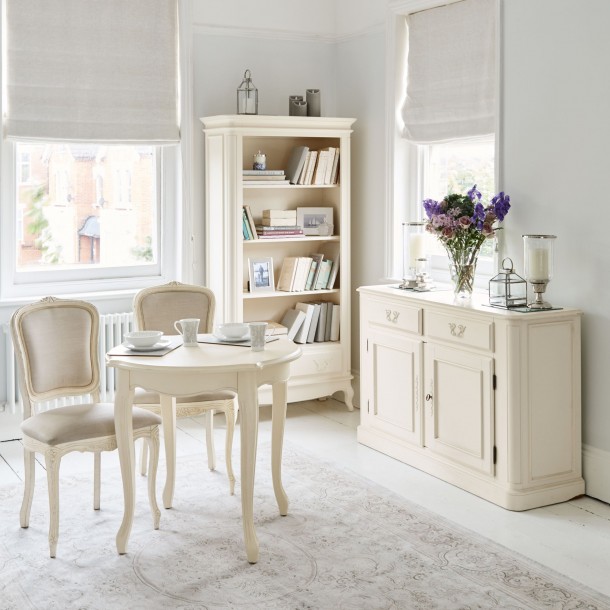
(318, 360)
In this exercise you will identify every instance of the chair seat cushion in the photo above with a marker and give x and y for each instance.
(80, 422)
(146, 397)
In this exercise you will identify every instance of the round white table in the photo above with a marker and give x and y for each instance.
(187, 371)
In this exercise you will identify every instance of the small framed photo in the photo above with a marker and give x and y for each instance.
(261, 274)
(311, 218)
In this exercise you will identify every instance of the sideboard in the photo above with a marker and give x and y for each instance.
(487, 399)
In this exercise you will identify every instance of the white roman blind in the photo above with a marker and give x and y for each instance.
(451, 72)
(92, 70)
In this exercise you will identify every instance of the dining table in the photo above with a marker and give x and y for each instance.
(191, 370)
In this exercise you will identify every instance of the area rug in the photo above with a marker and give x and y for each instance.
(346, 544)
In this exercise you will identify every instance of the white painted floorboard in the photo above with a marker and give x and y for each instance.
(572, 538)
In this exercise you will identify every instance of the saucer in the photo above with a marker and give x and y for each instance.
(151, 348)
(241, 339)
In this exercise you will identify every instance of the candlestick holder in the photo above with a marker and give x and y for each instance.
(538, 259)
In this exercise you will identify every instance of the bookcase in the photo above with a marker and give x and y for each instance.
(231, 141)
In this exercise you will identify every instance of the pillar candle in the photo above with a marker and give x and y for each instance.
(313, 102)
(538, 264)
(417, 248)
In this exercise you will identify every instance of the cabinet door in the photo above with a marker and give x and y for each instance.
(394, 396)
(459, 422)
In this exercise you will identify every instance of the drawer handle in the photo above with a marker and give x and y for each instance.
(392, 316)
(428, 397)
(457, 330)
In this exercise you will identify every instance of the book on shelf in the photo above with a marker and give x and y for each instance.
(310, 167)
(280, 234)
(318, 258)
(250, 220)
(334, 178)
(324, 273)
(287, 274)
(275, 328)
(329, 316)
(335, 323)
(263, 172)
(246, 226)
(320, 169)
(291, 214)
(329, 166)
(301, 179)
(273, 182)
(317, 312)
(296, 161)
(300, 277)
(307, 309)
(293, 320)
(322, 321)
(333, 273)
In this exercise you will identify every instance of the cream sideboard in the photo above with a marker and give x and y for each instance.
(484, 398)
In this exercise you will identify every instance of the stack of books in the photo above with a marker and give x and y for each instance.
(278, 224)
(265, 177)
(316, 321)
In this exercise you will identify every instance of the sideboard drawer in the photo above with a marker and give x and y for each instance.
(458, 329)
(394, 315)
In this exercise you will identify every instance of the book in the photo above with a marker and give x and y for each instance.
(264, 179)
(305, 168)
(287, 273)
(310, 167)
(317, 313)
(250, 220)
(322, 279)
(293, 320)
(320, 170)
(307, 309)
(334, 325)
(322, 321)
(295, 163)
(292, 214)
(246, 226)
(329, 316)
(278, 222)
(334, 178)
(275, 328)
(263, 172)
(300, 277)
(264, 182)
(281, 235)
(319, 258)
(333, 274)
(316, 258)
(329, 166)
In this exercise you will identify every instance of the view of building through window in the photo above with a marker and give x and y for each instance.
(85, 204)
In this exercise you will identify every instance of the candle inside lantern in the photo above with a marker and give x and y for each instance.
(538, 265)
(417, 248)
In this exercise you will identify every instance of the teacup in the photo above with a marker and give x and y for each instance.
(188, 328)
(143, 338)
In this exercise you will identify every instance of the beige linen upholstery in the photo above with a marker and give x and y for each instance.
(56, 343)
(157, 308)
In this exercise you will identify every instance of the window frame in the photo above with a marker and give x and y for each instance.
(405, 160)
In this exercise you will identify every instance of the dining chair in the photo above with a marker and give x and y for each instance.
(157, 308)
(56, 345)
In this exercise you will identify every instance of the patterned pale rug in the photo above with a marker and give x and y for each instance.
(346, 544)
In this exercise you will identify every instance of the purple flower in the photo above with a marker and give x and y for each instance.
(501, 205)
(474, 194)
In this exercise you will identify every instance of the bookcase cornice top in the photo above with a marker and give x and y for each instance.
(269, 122)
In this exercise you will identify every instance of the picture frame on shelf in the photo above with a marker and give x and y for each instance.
(261, 274)
(311, 218)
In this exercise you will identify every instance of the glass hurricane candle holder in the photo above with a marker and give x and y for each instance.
(416, 261)
(538, 260)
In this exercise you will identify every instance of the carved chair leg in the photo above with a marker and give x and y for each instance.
(97, 471)
(28, 490)
(231, 416)
(52, 462)
(209, 438)
(153, 444)
(143, 458)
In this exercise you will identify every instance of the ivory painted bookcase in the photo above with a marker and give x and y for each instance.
(230, 144)
(487, 399)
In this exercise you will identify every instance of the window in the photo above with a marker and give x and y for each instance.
(24, 167)
(427, 161)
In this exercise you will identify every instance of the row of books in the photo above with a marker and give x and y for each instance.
(266, 177)
(313, 166)
(300, 273)
(313, 322)
(273, 224)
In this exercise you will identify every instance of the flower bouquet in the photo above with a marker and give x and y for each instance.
(462, 223)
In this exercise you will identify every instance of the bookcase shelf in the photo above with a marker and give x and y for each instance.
(230, 143)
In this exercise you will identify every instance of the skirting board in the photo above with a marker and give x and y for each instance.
(596, 472)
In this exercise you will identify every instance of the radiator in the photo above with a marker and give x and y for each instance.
(112, 330)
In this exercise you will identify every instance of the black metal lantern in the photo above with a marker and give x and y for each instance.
(507, 289)
(247, 96)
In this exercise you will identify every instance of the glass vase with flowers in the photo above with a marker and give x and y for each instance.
(462, 223)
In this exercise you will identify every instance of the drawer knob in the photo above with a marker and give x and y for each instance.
(457, 330)
(428, 397)
(392, 316)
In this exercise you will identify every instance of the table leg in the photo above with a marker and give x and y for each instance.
(168, 416)
(248, 406)
(278, 421)
(123, 426)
